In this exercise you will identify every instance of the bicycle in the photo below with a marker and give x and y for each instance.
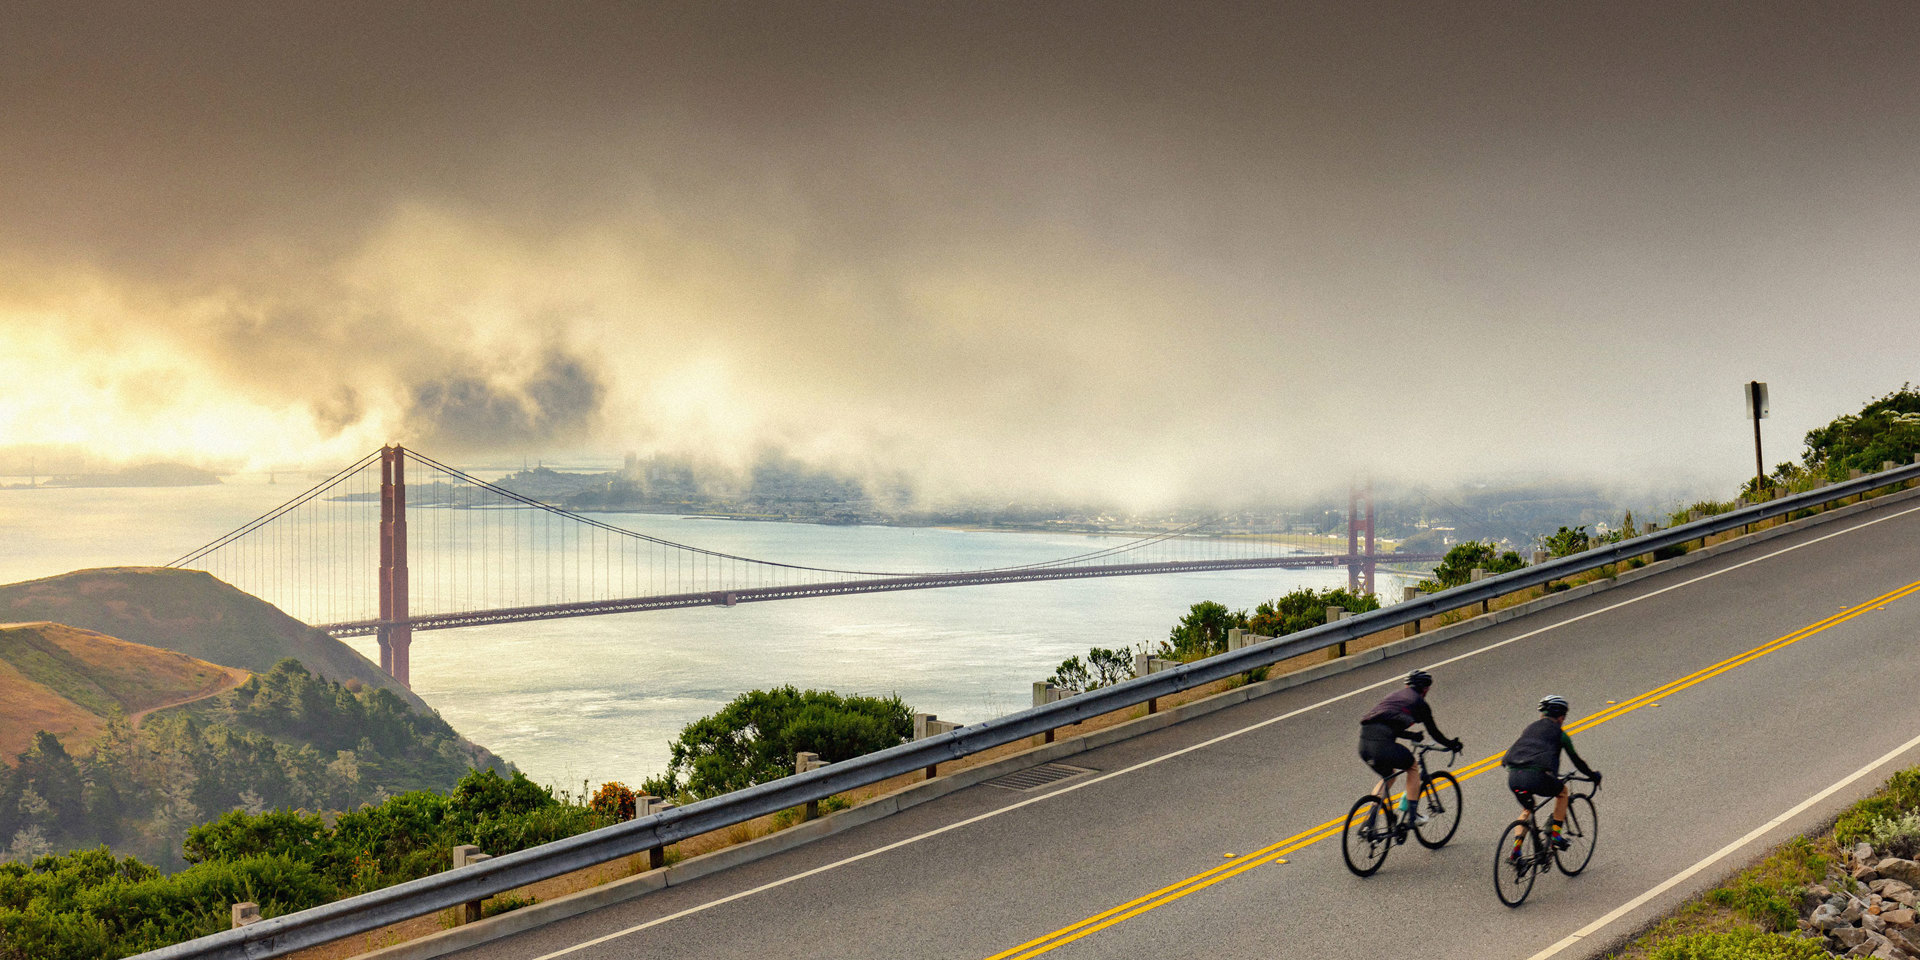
(1513, 875)
(1371, 830)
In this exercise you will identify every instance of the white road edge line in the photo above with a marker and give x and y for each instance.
(1063, 791)
(1721, 854)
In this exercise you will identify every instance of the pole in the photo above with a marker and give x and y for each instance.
(1759, 463)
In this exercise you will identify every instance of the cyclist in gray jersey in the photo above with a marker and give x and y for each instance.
(1386, 724)
(1533, 765)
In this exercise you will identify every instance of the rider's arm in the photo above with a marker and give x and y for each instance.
(1566, 746)
(1424, 714)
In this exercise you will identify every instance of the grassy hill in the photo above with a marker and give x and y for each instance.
(68, 681)
(191, 612)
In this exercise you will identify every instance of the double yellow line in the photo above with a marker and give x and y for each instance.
(1273, 852)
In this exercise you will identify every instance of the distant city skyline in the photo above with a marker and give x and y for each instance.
(1128, 252)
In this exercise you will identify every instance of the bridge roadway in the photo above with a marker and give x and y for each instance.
(928, 581)
(1686, 774)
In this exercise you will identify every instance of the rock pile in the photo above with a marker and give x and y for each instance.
(1867, 908)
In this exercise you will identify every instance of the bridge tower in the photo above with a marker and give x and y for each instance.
(396, 636)
(1360, 566)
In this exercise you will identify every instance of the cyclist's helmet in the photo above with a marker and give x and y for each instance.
(1419, 679)
(1553, 706)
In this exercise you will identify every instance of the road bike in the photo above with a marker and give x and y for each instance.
(1372, 829)
(1514, 872)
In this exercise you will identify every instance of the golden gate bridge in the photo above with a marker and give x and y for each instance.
(361, 553)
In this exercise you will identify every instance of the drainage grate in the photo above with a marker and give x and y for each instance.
(1035, 777)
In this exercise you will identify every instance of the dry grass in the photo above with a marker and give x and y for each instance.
(66, 681)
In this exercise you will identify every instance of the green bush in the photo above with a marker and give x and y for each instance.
(1740, 945)
(1896, 836)
(1901, 795)
(86, 904)
(1305, 608)
(1203, 631)
(1463, 558)
(754, 738)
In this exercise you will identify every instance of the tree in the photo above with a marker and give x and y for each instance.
(1458, 565)
(1102, 668)
(753, 739)
(1109, 666)
(1203, 631)
(1304, 608)
(1887, 428)
(1566, 541)
(1072, 675)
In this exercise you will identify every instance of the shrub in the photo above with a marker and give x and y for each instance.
(288, 833)
(1305, 608)
(1740, 945)
(1901, 795)
(1896, 836)
(1102, 668)
(614, 803)
(1202, 632)
(754, 738)
(1458, 565)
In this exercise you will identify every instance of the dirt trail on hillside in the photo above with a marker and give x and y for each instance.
(233, 679)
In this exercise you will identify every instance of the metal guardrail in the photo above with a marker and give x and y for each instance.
(370, 911)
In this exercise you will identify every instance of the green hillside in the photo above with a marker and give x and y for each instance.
(190, 612)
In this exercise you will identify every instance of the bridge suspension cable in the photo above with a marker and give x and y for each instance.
(366, 551)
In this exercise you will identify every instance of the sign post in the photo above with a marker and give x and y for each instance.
(1757, 411)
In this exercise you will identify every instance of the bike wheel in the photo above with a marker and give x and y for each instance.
(1367, 838)
(1582, 832)
(1513, 876)
(1440, 802)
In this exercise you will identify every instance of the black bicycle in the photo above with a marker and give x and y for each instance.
(1524, 851)
(1372, 830)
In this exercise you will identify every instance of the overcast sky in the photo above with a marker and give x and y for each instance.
(1024, 248)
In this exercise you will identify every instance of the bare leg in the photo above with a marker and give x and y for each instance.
(1560, 806)
(1413, 785)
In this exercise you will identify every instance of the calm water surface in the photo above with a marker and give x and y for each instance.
(599, 698)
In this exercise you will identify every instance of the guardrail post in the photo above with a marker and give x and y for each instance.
(1475, 576)
(464, 854)
(245, 913)
(1408, 595)
(802, 762)
(646, 805)
(927, 725)
(1335, 615)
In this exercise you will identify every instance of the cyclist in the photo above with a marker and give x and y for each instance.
(1533, 767)
(1387, 723)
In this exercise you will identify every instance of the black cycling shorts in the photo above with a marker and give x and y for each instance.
(1383, 754)
(1528, 784)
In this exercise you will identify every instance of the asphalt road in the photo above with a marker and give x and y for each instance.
(1687, 773)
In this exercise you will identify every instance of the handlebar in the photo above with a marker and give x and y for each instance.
(1581, 778)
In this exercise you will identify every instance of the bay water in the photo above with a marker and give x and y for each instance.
(600, 698)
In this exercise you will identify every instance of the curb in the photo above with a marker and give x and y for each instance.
(506, 924)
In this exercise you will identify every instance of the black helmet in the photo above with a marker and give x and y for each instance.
(1419, 679)
(1553, 706)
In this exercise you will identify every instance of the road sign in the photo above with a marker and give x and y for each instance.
(1756, 400)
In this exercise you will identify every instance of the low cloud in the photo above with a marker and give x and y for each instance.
(555, 407)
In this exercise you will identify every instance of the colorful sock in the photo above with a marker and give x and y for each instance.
(1405, 805)
(1553, 828)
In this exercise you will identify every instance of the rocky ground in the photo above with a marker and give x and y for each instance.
(1866, 907)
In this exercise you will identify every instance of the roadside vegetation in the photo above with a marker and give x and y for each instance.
(285, 739)
(1755, 914)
